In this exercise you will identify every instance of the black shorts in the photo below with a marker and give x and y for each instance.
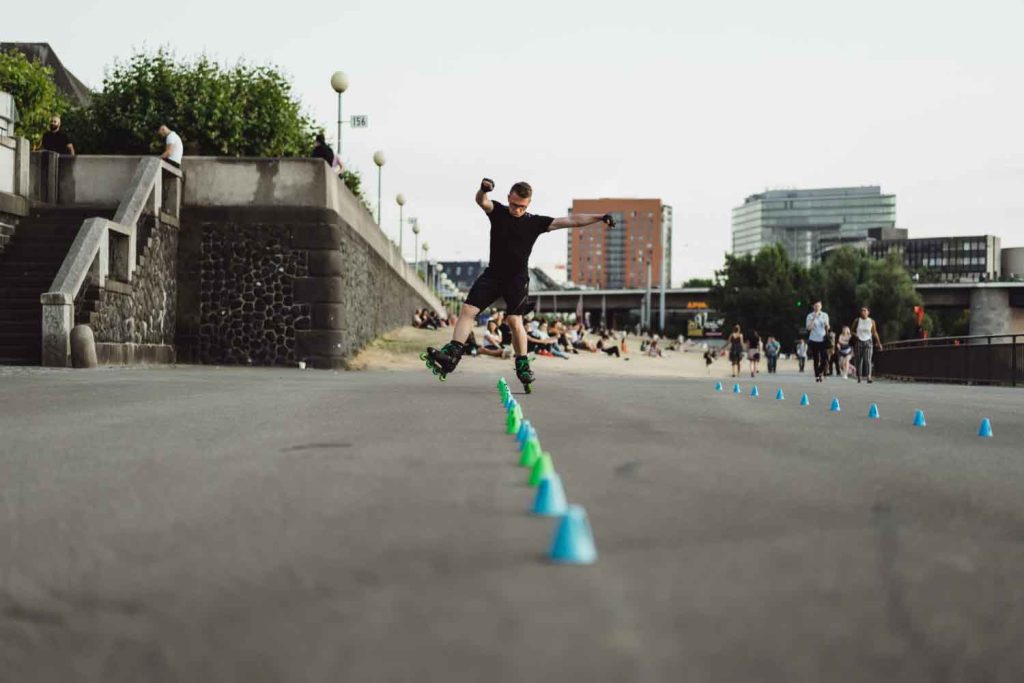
(514, 289)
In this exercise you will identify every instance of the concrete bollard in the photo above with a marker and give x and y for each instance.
(83, 347)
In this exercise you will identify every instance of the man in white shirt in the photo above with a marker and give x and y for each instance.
(817, 331)
(173, 148)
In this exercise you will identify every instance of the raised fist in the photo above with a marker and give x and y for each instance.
(609, 221)
(486, 185)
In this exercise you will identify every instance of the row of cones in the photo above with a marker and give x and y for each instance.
(573, 541)
(984, 430)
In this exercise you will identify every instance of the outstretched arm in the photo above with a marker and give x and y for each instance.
(482, 200)
(582, 220)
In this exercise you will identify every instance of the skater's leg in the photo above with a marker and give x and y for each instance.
(464, 325)
(519, 339)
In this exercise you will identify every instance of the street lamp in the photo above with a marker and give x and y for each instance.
(415, 245)
(400, 200)
(426, 262)
(339, 81)
(650, 260)
(378, 158)
(437, 274)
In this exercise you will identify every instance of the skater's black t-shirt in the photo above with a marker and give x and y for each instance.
(512, 239)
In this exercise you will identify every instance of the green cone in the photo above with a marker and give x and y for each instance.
(531, 453)
(541, 468)
(515, 418)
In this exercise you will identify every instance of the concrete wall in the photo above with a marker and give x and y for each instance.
(992, 313)
(94, 180)
(280, 263)
(1013, 262)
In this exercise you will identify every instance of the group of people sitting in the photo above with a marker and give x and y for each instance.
(426, 319)
(554, 338)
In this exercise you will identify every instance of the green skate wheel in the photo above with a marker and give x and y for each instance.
(434, 370)
(443, 377)
(528, 388)
(424, 356)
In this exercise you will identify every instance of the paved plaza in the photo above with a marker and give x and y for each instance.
(212, 524)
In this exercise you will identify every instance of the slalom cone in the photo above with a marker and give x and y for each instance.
(515, 419)
(531, 453)
(985, 430)
(873, 412)
(574, 541)
(718, 387)
(736, 389)
(541, 468)
(835, 406)
(502, 383)
(550, 498)
(524, 431)
(804, 401)
(919, 418)
(779, 396)
(754, 392)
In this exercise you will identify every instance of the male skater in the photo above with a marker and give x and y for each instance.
(513, 232)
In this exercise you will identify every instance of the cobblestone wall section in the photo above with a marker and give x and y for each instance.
(147, 314)
(248, 313)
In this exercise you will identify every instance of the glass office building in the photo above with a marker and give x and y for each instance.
(946, 259)
(802, 221)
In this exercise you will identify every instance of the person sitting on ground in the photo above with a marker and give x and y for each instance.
(607, 344)
(538, 340)
(652, 349)
(417, 320)
(492, 345)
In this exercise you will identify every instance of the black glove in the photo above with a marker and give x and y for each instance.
(609, 221)
(486, 185)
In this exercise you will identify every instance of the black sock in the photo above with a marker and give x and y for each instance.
(459, 345)
(518, 358)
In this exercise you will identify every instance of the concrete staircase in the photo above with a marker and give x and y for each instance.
(29, 261)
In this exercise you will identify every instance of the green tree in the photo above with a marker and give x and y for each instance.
(242, 110)
(35, 94)
(889, 292)
(699, 282)
(766, 292)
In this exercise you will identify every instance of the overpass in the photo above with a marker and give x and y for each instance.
(996, 307)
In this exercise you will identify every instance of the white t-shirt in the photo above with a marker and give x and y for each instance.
(817, 326)
(864, 329)
(177, 149)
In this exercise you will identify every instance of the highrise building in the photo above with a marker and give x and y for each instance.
(806, 221)
(617, 258)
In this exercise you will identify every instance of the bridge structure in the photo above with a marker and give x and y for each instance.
(996, 307)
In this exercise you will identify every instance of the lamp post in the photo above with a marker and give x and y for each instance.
(400, 200)
(416, 246)
(378, 158)
(437, 275)
(339, 81)
(426, 262)
(650, 259)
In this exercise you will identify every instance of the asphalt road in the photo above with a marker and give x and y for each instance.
(200, 524)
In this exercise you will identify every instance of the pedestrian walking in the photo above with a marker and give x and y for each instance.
(736, 350)
(173, 147)
(754, 351)
(866, 332)
(844, 350)
(817, 325)
(801, 353)
(771, 354)
(832, 363)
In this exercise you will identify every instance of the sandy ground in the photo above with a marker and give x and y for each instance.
(400, 349)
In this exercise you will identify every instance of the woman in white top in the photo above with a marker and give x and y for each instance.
(866, 332)
(492, 342)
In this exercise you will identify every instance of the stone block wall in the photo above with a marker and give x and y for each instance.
(143, 314)
(274, 286)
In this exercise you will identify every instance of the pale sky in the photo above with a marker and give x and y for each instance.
(698, 103)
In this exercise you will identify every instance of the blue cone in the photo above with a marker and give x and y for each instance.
(919, 418)
(985, 430)
(754, 392)
(779, 396)
(524, 431)
(718, 387)
(835, 405)
(873, 412)
(550, 500)
(736, 389)
(574, 542)
(804, 401)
